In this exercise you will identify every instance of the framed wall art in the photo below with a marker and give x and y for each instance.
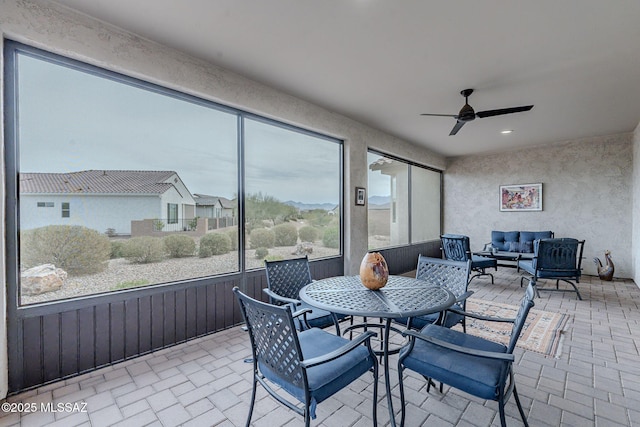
(521, 197)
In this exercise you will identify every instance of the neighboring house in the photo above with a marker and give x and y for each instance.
(214, 206)
(104, 200)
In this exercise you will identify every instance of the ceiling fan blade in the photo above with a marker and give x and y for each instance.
(457, 127)
(491, 113)
(455, 116)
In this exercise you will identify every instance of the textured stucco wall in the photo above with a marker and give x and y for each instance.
(587, 194)
(635, 251)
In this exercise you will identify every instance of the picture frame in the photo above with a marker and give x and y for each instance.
(361, 196)
(521, 197)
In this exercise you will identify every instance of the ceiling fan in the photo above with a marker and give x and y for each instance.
(467, 114)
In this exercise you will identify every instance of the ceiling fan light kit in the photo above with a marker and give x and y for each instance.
(467, 113)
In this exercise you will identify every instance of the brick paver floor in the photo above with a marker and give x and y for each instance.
(206, 381)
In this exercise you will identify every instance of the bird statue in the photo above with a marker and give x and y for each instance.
(605, 272)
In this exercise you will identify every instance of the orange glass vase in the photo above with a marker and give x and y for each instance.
(374, 272)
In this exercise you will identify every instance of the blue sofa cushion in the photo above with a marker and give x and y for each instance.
(521, 247)
(530, 236)
(501, 239)
(527, 265)
(476, 375)
(517, 241)
(482, 262)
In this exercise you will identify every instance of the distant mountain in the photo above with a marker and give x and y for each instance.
(310, 206)
(379, 200)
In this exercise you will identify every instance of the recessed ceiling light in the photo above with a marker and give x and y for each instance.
(506, 131)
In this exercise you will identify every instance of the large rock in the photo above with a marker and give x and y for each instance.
(304, 248)
(42, 278)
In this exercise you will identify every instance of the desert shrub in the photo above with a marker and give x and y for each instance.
(205, 252)
(117, 247)
(179, 246)
(261, 253)
(262, 238)
(331, 237)
(144, 249)
(233, 236)
(214, 243)
(253, 224)
(286, 234)
(75, 249)
(273, 257)
(308, 233)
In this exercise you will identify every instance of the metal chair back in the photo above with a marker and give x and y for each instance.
(452, 275)
(455, 247)
(558, 255)
(287, 277)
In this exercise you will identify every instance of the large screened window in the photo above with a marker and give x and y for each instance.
(404, 202)
(122, 184)
(292, 182)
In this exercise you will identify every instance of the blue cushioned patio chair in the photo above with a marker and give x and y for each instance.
(472, 364)
(452, 275)
(456, 247)
(309, 366)
(285, 278)
(555, 259)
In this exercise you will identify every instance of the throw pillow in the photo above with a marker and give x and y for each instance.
(514, 246)
(521, 247)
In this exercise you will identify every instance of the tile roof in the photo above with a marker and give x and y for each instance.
(206, 200)
(97, 182)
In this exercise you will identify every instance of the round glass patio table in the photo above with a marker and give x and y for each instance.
(401, 297)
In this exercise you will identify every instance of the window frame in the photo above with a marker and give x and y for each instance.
(12, 49)
(65, 209)
(393, 197)
(172, 213)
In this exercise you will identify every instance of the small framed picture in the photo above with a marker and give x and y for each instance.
(361, 196)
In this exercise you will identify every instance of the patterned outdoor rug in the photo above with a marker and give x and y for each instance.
(542, 332)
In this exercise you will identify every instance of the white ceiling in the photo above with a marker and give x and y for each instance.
(383, 62)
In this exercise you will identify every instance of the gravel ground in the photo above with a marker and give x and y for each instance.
(121, 271)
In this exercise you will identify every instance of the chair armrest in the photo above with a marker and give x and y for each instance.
(304, 323)
(302, 312)
(340, 351)
(464, 296)
(281, 298)
(481, 316)
(508, 357)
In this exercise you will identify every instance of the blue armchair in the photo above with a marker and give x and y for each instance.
(456, 247)
(555, 259)
(309, 366)
(472, 364)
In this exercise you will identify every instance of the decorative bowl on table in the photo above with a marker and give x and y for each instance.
(374, 272)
